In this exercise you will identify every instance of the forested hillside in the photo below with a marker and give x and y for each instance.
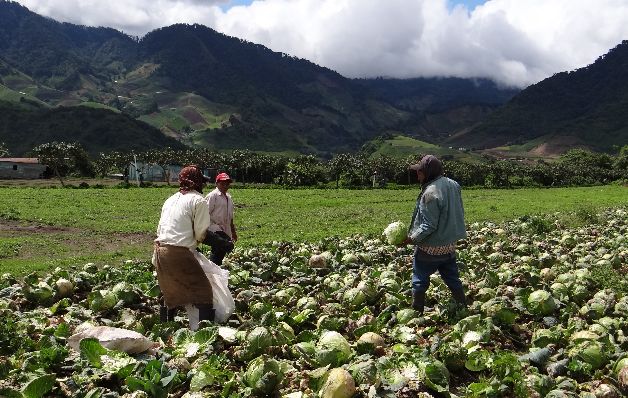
(96, 130)
(584, 107)
(211, 90)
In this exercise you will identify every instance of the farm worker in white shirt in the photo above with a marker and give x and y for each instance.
(222, 232)
(183, 225)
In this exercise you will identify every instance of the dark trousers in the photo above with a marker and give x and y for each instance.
(424, 265)
(220, 243)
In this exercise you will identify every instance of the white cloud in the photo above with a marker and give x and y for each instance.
(512, 41)
(134, 17)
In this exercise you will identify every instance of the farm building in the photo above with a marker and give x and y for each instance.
(152, 172)
(21, 168)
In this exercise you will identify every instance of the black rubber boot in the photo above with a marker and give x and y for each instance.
(458, 295)
(165, 314)
(418, 301)
(206, 312)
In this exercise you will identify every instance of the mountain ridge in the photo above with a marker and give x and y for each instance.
(207, 89)
(587, 104)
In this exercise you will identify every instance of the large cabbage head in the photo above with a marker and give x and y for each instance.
(304, 350)
(621, 307)
(101, 300)
(263, 375)
(317, 261)
(339, 384)
(453, 354)
(541, 302)
(395, 233)
(126, 293)
(258, 340)
(354, 298)
(40, 293)
(284, 334)
(622, 363)
(589, 352)
(371, 342)
(350, 258)
(364, 372)
(405, 315)
(539, 383)
(435, 376)
(543, 337)
(369, 288)
(332, 349)
(64, 287)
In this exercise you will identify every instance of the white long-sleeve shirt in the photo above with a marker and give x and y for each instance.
(184, 220)
(221, 211)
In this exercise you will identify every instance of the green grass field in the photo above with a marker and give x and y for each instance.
(400, 146)
(41, 228)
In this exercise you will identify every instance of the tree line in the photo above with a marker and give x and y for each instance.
(347, 170)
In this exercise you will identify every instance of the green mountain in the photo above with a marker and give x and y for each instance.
(586, 108)
(207, 89)
(26, 126)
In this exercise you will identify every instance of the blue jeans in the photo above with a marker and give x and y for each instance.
(424, 265)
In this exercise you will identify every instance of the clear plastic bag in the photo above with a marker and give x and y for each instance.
(219, 278)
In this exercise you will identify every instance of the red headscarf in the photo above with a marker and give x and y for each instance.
(191, 179)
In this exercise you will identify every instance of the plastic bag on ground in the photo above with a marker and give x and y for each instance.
(219, 278)
(112, 338)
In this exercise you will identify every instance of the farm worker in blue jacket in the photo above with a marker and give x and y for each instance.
(183, 225)
(437, 223)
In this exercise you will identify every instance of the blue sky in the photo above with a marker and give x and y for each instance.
(470, 4)
(513, 42)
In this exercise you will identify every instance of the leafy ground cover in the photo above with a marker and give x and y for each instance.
(331, 318)
(60, 227)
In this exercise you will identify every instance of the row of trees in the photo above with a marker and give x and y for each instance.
(576, 167)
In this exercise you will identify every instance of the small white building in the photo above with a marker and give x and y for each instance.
(22, 168)
(153, 172)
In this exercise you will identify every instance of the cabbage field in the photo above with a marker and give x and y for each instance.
(548, 317)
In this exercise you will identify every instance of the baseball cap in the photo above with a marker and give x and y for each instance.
(223, 177)
(417, 167)
(425, 163)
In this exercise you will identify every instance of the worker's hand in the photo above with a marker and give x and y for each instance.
(406, 241)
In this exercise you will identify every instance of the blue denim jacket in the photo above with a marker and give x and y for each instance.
(438, 217)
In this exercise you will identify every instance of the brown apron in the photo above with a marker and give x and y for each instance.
(181, 278)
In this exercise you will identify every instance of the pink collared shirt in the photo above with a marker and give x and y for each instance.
(220, 211)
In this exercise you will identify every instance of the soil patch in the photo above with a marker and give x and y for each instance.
(556, 146)
(39, 241)
(16, 226)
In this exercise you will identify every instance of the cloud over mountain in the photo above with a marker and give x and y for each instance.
(511, 41)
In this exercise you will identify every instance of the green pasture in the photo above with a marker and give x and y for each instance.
(41, 228)
(400, 146)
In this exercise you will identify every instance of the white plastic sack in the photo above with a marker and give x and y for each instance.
(112, 338)
(219, 278)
